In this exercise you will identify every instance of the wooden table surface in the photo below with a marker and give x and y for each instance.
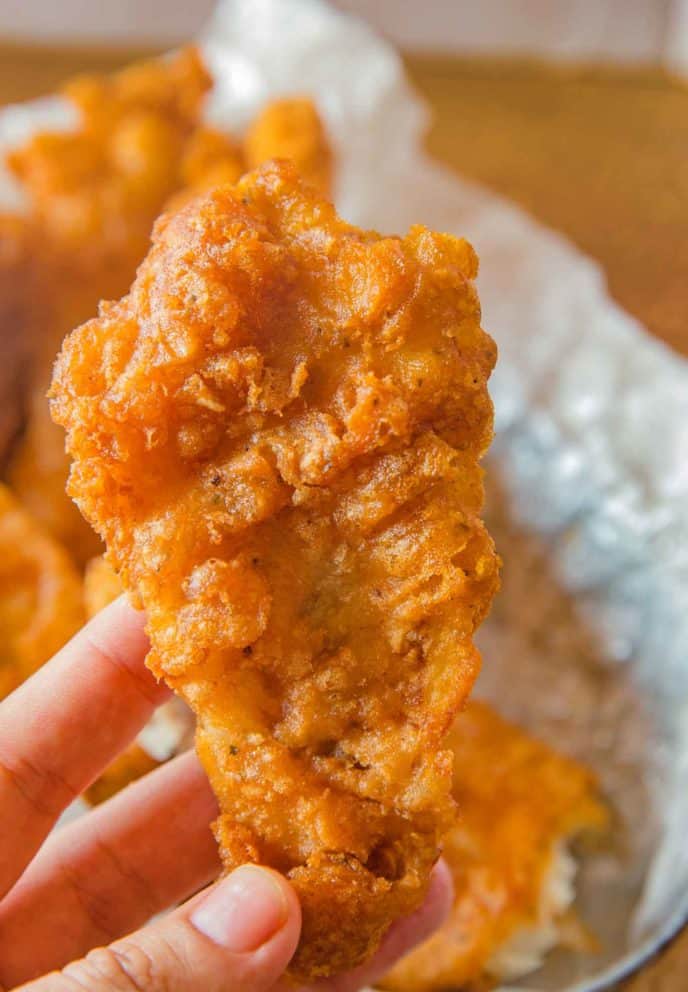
(602, 155)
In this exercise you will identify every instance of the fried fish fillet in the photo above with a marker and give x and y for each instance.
(277, 434)
(519, 803)
(40, 594)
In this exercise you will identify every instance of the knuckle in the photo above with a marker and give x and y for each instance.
(41, 787)
(108, 655)
(107, 918)
(95, 908)
(124, 967)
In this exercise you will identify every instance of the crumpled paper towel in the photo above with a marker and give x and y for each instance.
(587, 479)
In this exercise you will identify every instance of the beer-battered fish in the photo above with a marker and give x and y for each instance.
(277, 434)
(40, 595)
(520, 803)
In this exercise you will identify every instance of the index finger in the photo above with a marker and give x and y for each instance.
(62, 727)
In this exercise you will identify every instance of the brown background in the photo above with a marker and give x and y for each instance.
(597, 153)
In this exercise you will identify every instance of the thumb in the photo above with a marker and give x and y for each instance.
(238, 935)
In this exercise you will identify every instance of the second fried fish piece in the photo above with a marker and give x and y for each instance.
(277, 434)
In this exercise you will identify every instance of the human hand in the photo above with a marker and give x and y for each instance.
(71, 896)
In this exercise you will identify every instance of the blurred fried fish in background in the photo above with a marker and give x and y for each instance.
(40, 594)
(140, 147)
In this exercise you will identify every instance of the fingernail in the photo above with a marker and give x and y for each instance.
(243, 911)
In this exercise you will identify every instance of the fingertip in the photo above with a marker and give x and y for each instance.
(280, 949)
(429, 917)
(407, 932)
(254, 910)
(284, 941)
(118, 633)
(293, 906)
(440, 897)
(121, 614)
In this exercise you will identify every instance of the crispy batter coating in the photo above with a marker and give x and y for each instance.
(212, 158)
(291, 128)
(517, 799)
(40, 594)
(277, 434)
